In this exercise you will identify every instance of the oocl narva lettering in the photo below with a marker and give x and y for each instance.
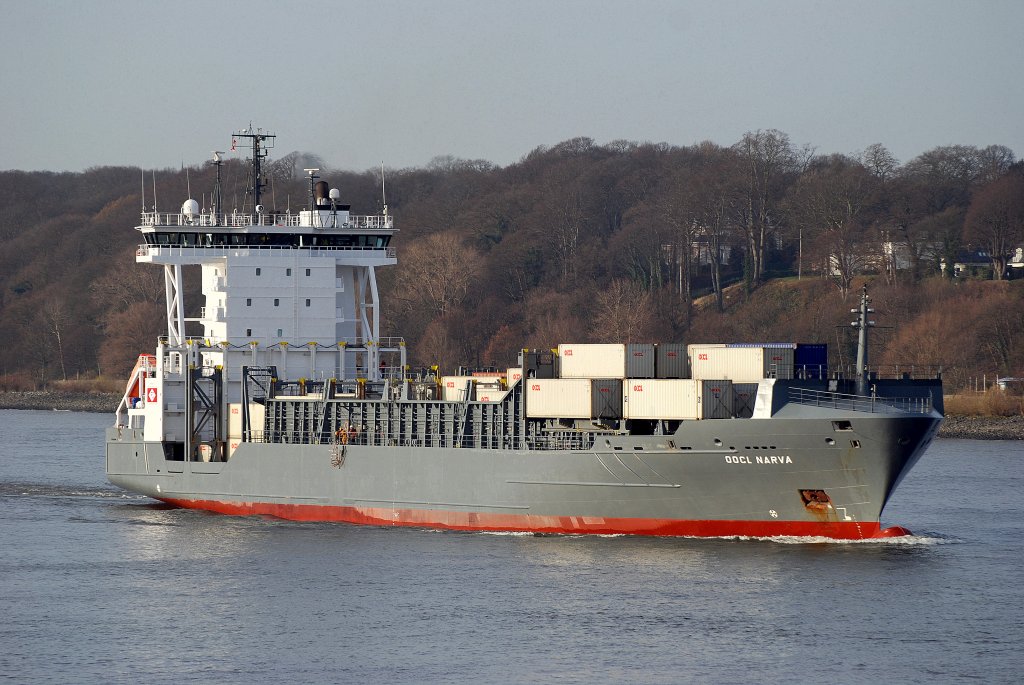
(772, 459)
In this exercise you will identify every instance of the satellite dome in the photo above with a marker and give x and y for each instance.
(335, 194)
(190, 208)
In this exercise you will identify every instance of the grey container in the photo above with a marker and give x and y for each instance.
(671, 361)
(606, 398)
(640, 360)
(743, 397)
(716, 399)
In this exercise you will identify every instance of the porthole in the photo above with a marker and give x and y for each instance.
(830, 441)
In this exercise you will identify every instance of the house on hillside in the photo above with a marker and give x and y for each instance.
(1015, 267)
(969, 263)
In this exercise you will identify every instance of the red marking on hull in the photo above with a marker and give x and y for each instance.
(489, 521)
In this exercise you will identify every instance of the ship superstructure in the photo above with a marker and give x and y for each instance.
(296, 292)
(291, 403)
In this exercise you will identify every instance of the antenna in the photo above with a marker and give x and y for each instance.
(383, 195)
(143, 190)
(260, 142)
(217, 199)
(188, 184)
(154, 190)
(312, 180)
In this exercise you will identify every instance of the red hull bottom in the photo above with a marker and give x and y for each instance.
(483, 521)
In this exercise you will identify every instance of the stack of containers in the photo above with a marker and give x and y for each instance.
(634, 381)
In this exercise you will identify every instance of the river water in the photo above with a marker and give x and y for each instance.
(100, 586)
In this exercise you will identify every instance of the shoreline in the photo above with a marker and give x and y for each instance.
(957, 427)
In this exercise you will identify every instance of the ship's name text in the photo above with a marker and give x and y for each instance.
(770, 459)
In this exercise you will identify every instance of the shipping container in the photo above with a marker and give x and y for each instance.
(558, 398)
(677, 398)
(744, 395)
(453, 388)
(715, 399)
(513, 375)
(670, 361)
(257, 412)
(489, 391)
(639, 360)
(740, 363)
(811, 361)
(606, 398)
(592, 361)
(661, 398)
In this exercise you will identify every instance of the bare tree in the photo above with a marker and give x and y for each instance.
(438, 273)
(623, 313)
(879, 161)
(834, 203)
(995, 219)
(56, 317)
(768, 158)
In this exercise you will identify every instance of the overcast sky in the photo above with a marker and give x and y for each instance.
(157, 84)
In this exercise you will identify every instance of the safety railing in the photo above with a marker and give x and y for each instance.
(863, 403)
(147, 250)
(285, 220)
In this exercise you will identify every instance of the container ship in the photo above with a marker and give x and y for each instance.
(292, 404)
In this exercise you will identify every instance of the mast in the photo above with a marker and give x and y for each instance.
(260, 143)
(862, 324)
(218, 200)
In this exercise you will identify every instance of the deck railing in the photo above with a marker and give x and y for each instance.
(147, 250)
(285, 220)
(864, 403)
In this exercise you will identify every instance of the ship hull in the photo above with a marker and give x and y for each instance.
(738, 477)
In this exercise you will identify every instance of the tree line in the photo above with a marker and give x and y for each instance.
(762, 240)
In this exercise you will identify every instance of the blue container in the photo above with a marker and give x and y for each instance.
(811, 361)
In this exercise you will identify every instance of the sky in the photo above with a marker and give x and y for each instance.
(89, 83)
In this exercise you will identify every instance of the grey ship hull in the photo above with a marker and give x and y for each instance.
(710, 478)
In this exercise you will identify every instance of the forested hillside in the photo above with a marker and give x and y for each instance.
(759, 241)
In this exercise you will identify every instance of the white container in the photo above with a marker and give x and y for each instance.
(489, 390)
(661, 398)
(513, 375)
(558, 398)
(453, 388)
(257, 412)
(592, 361)
(677, 398)
(740, 364)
